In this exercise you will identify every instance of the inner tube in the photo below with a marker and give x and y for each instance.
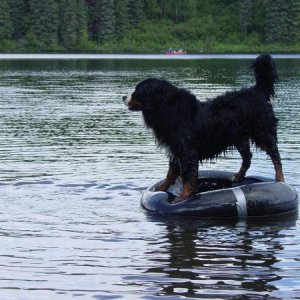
(219, 196)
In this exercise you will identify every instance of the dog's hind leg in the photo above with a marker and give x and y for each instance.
(173, 173)
(244, 150)
(275, 156)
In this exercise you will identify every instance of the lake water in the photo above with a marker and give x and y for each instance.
(74, 163)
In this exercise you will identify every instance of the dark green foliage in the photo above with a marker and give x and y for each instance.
(272, 12)
(72, 23)
(135, 11)
(175, 10)
(152, 10)
(102, 20)
(18, 11)
(183, 10)
(295, 21)
(245, 16)
(81, 24)
(150, 25)
(106, 13)
(43, 22)
(282, 21)
(68, 23)
(122, 18)
(5, 21)
(259, 16)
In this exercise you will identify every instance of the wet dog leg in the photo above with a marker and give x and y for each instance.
(275, 156)
(244, 150)
(173, 173)
(189, 171)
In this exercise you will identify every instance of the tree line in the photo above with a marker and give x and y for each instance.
(146, 25)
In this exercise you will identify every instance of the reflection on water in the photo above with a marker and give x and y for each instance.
(73, 165)
(208, 256)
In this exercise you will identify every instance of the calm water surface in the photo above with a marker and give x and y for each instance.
(74, 163)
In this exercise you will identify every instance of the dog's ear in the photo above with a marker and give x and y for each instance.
(163, 92)
(151, 93)
(155, 94)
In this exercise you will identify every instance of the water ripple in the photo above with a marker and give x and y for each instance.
(74, 163)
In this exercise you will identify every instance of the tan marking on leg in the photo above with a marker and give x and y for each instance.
(188, 191)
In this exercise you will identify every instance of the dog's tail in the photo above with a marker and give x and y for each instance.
(265, 74)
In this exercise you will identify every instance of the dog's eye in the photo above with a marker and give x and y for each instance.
(133, 94)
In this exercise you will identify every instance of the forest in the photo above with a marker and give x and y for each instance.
(149, 26)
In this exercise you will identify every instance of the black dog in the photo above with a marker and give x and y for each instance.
(194, 131)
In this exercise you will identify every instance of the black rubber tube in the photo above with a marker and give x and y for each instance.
(220, 197)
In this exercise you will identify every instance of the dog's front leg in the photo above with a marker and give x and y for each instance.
(189, 172)
(173, 173)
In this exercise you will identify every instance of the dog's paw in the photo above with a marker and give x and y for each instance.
(279, 179)
(161, 188)
(178, 199)
(182, 197)
(237, 177)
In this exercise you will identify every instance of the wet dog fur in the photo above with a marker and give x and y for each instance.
(193, 131)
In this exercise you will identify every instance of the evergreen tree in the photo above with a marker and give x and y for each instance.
(81, 27)
(177, 10)
(18, 13)
(102, 20)
(151, 9)
(272, 15)
(106, 19)
(283, 20)
(46, 25)
(295, 21)
(245, 16)
(68, 22)
(135, 11)
(122, 21)
(182, 10)
(5, 21)
(165, 8)
(259, 17)
(43, 22)
(73, 26)
(91, 19)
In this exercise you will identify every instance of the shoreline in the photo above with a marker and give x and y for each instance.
(78, 56)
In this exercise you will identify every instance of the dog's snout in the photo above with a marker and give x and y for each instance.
(126, 99)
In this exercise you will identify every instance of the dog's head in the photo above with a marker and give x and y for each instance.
(147, 94)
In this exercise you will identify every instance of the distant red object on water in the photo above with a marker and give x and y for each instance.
(171, 51)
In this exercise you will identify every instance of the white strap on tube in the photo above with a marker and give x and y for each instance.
(241, 204)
